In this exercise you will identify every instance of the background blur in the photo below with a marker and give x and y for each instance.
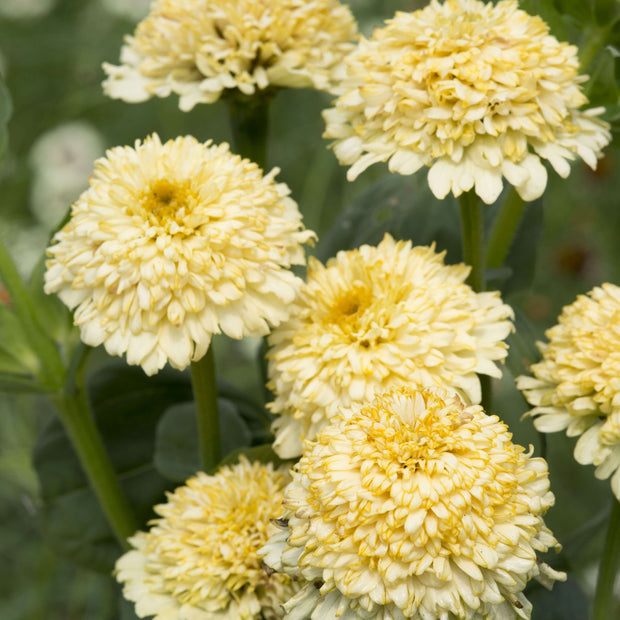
(50, 56)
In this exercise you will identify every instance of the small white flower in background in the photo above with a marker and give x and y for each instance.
(475, 91)
(175, 242)
(414, 507)
(25, 9)
(199, 560)
(376, 318)
(576, 385)
(202, 49)
(61, 160)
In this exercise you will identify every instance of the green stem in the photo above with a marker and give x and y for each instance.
(472, 232)
(249, 119)
(75, 414)
(608, 569)
(205, 397)
(504, 229)
(41, 343)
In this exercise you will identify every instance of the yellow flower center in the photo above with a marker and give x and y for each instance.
(167, 201)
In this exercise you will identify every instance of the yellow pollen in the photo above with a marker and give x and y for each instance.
(166, 201)
(349, 307)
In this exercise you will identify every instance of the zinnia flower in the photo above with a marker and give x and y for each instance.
(374, 318)
(172, 243)
(414, 507)
(199, 560)
(476, 91)
(576, 386)
(200, 49)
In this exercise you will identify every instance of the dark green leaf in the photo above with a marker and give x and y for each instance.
(15, 352)
(52, 314)
(579, 10)
(522, 350)
(566, 601)
(602, 88)
(177, 448)
(605, 11)
(552, 17)
(402, 206)
(263, 454)
(519, 267)
(6, 106)
(127, 406)
(15, 383)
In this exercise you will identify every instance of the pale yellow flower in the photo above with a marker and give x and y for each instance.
(374, 318)
(200, 49)
(199, 560)
(475, 91)
(172, 243)
(414, 507)
(576, 386)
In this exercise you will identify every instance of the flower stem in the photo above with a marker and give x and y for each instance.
(472, 233)
(249, 119)
(504, 229)
(41, 343)
(608, 569)
(74, 412)
(205, 396)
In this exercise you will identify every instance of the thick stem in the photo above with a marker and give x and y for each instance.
(77, 419)
(249, 121)
(472, 233)
(504, 229)
(608, 569)
(41, 343)
(205, 397)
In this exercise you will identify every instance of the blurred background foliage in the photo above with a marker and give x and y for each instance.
(50, 58)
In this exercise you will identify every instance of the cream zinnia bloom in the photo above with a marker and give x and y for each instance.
(576, 386)
(200, 49)
(172, 243)
(199, 560)
(374, 318)
(475, 91)
(414, 507)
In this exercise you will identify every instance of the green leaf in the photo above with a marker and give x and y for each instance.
(522, 350)
(519, 267)
(6, 109)
(51, 313)
(402, 206)
(602, 87)
(548, 12)
(606, 11)
(127, 406)
(16, 355)
(177, 448)
(263, 454)
(16, 383)
(566, 601)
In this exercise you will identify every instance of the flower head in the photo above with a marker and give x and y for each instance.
(576, 386)
(199, 559)
(374, 318)
(414, 506)
(476, 91)
(172, 243)
(200, 49)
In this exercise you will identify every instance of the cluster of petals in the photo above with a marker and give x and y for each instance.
(576, 385)
(476, 91)
(374, 318)
(199, 560)
(172, 243)
(414, 507)
(200, 49)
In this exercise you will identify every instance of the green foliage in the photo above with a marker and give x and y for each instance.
(6, 108)
(127, 406)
